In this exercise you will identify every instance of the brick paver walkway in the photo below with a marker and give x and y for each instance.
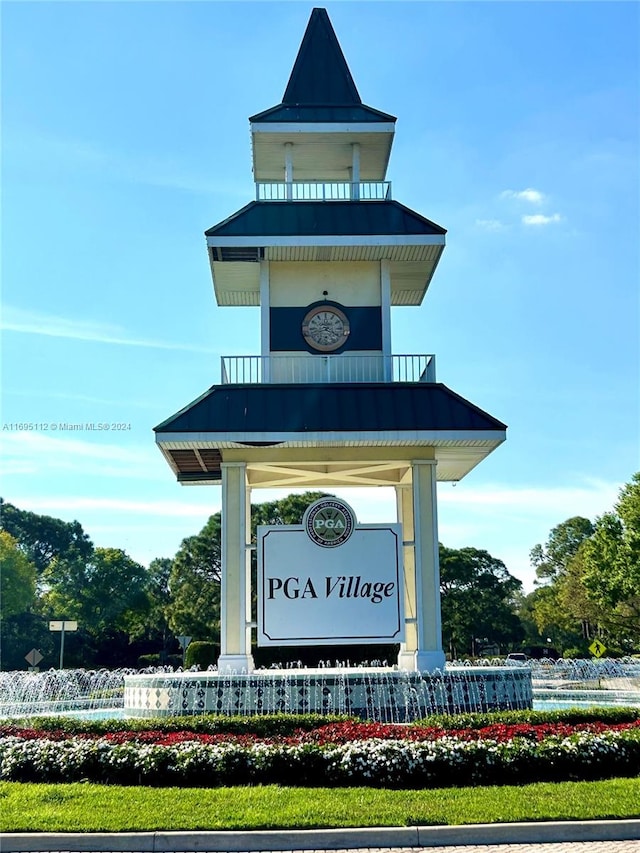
(557, 847)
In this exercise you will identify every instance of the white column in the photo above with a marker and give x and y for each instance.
(408, 649)
(429, 655)
(288, 169)
(355, 170)
(235, 586)
(265, 324)
(385, 308)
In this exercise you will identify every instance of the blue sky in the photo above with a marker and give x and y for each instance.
(125, 136)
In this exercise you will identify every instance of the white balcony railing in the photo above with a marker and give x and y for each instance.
(304, 369)
(323, 191)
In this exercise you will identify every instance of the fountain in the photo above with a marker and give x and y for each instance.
(587, 682)
(61, 691)
(371, 692)
(385, 694)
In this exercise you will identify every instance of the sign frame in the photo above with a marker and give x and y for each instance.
(347, 590)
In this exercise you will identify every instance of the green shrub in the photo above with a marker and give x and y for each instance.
(573, 654)
(148, 660)
(202, 654)
(266, 725)
(314, 656)
(270, 725)
(374, 762)
(478, 720)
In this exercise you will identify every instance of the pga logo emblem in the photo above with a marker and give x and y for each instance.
(329, 522)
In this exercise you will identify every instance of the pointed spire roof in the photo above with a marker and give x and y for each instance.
(321, 88)
(320, 74)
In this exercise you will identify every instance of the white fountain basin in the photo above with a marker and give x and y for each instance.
(371, 693)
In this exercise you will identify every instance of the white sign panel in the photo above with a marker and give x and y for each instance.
(330, 580)
(65, 625)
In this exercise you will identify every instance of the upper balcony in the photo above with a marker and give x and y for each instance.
(323, 191)
(305, 369)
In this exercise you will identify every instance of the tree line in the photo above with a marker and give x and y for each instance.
(588, 580)
(588, 585)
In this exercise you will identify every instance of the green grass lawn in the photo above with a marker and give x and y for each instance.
(83, 807)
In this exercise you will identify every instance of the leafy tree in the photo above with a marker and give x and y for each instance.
(574, 602)
(149, 627)
(559, 609)
(288, 510)
(478, 597)
(194, 584)
(592, 575)
(17, 578)
(104, 593)
(611, 567)
(544, 615)
(21, 633)
(43, 538)
(551, 559)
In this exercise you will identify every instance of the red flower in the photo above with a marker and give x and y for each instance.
(332, 733)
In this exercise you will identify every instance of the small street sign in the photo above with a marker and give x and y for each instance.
(65, 625)
(33, 658)
(184, 642)
(597, 648)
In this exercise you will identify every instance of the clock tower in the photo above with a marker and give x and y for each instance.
(326, 252)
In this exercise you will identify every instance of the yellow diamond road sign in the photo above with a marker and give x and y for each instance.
(597, 648)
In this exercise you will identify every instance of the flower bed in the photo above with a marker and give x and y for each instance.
(341, 753)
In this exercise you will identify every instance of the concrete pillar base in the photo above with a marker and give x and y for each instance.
(407, 661)
(428, 661)
(235, 663)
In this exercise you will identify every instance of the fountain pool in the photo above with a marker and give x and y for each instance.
(373, 692)
(586, 683)
(61, 691)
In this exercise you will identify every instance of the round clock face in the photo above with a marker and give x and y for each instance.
(325, 328)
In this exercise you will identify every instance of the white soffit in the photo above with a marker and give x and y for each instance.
(236, 283)
(375, 438)
(321, 151)
(411, 270)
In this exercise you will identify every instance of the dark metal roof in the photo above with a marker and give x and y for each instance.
(271, 408)
(321, 88)
(325, 113)
(296, 218)
(320, 73)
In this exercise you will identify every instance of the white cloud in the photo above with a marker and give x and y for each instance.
(490, 224)
(63, 454)
(35, 443)
(81, 503)
(508, 521)
(144, 527)
(590, 499)
(49, 325)
(530, 195)
(538, 219)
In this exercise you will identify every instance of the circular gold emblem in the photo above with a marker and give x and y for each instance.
(325, 328)
(329, 522)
